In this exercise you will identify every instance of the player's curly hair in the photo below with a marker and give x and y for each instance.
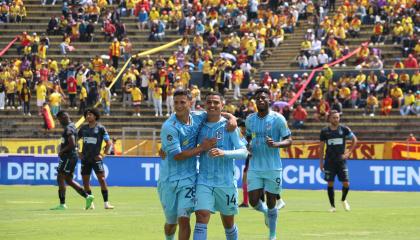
(94, 111)
(262, 90)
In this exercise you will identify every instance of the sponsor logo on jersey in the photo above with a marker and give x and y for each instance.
(335, 141)
(90, 140)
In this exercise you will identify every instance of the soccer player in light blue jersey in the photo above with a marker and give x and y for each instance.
(178, 169)
(267, 132)
(216, 183)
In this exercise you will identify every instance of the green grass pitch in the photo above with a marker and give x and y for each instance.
(25, 215)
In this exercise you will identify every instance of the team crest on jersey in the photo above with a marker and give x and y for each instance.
(185, 142)
(219, 135)
(169, 138)
(96, 130)
(268, 126)
(253, 135)
(340, 131)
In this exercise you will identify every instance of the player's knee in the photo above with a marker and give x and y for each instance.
(184, 213)
(346, 184)
(330, 184)
(170, 229)
(171, 220)
(202, 216)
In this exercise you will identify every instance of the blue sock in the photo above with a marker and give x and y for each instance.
(272, 221)
(261, 207)
(200, 231)
(171, 237)
(232, 233)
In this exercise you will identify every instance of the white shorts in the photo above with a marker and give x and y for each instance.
(40, 103)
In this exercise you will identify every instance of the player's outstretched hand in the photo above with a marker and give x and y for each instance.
(215, 152)
(208, 144)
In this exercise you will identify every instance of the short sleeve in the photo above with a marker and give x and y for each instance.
(282, 125)
(322, 135)
(200, 116)
(348, 133)
(170, 140)
(105, 134)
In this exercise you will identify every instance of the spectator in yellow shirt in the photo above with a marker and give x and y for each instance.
(397, 96)
(55, 102)
(10, 92)
(83, 99)
(371, 105)
(105, 95)
(409, 103)
(137, 97)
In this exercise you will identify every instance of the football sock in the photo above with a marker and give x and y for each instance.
(105, 195)
(232, 233)
(200, 231)
(344, 190)
(171, 237)
(261, 207)
(331, 196)
(81, 192)
(62, 196)
(272, 221)
(245, 192)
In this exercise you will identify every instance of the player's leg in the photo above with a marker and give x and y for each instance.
(185, 193)
(280, 203)
(86, 171)
(61, 184)
(203, 209)
(231, 230)
(98, 167)
(255, 191)
(273, 186)
(343, 176)
(245, 201)
(170, 230)
(227, 205)
(169, 203)
(329, 176)
(69, 169)
(61, 192)
(202, 220)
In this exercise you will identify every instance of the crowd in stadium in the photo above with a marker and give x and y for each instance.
(225, 41)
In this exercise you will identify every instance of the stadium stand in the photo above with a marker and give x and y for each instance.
(104, 36)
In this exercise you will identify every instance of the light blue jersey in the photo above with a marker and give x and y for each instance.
(177, 137)
(273, 125)
(220, 171)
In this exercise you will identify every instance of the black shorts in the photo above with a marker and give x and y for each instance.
(87, 167)
(67, 163)
(336, 168)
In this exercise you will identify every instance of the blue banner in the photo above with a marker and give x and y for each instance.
(377, 175)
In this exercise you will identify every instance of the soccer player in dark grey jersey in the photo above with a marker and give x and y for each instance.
(334, 163)
(92, 135)
(67, 163)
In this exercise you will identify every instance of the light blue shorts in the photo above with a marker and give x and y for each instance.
(270, 181)
(177, 198)
(221, 199)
